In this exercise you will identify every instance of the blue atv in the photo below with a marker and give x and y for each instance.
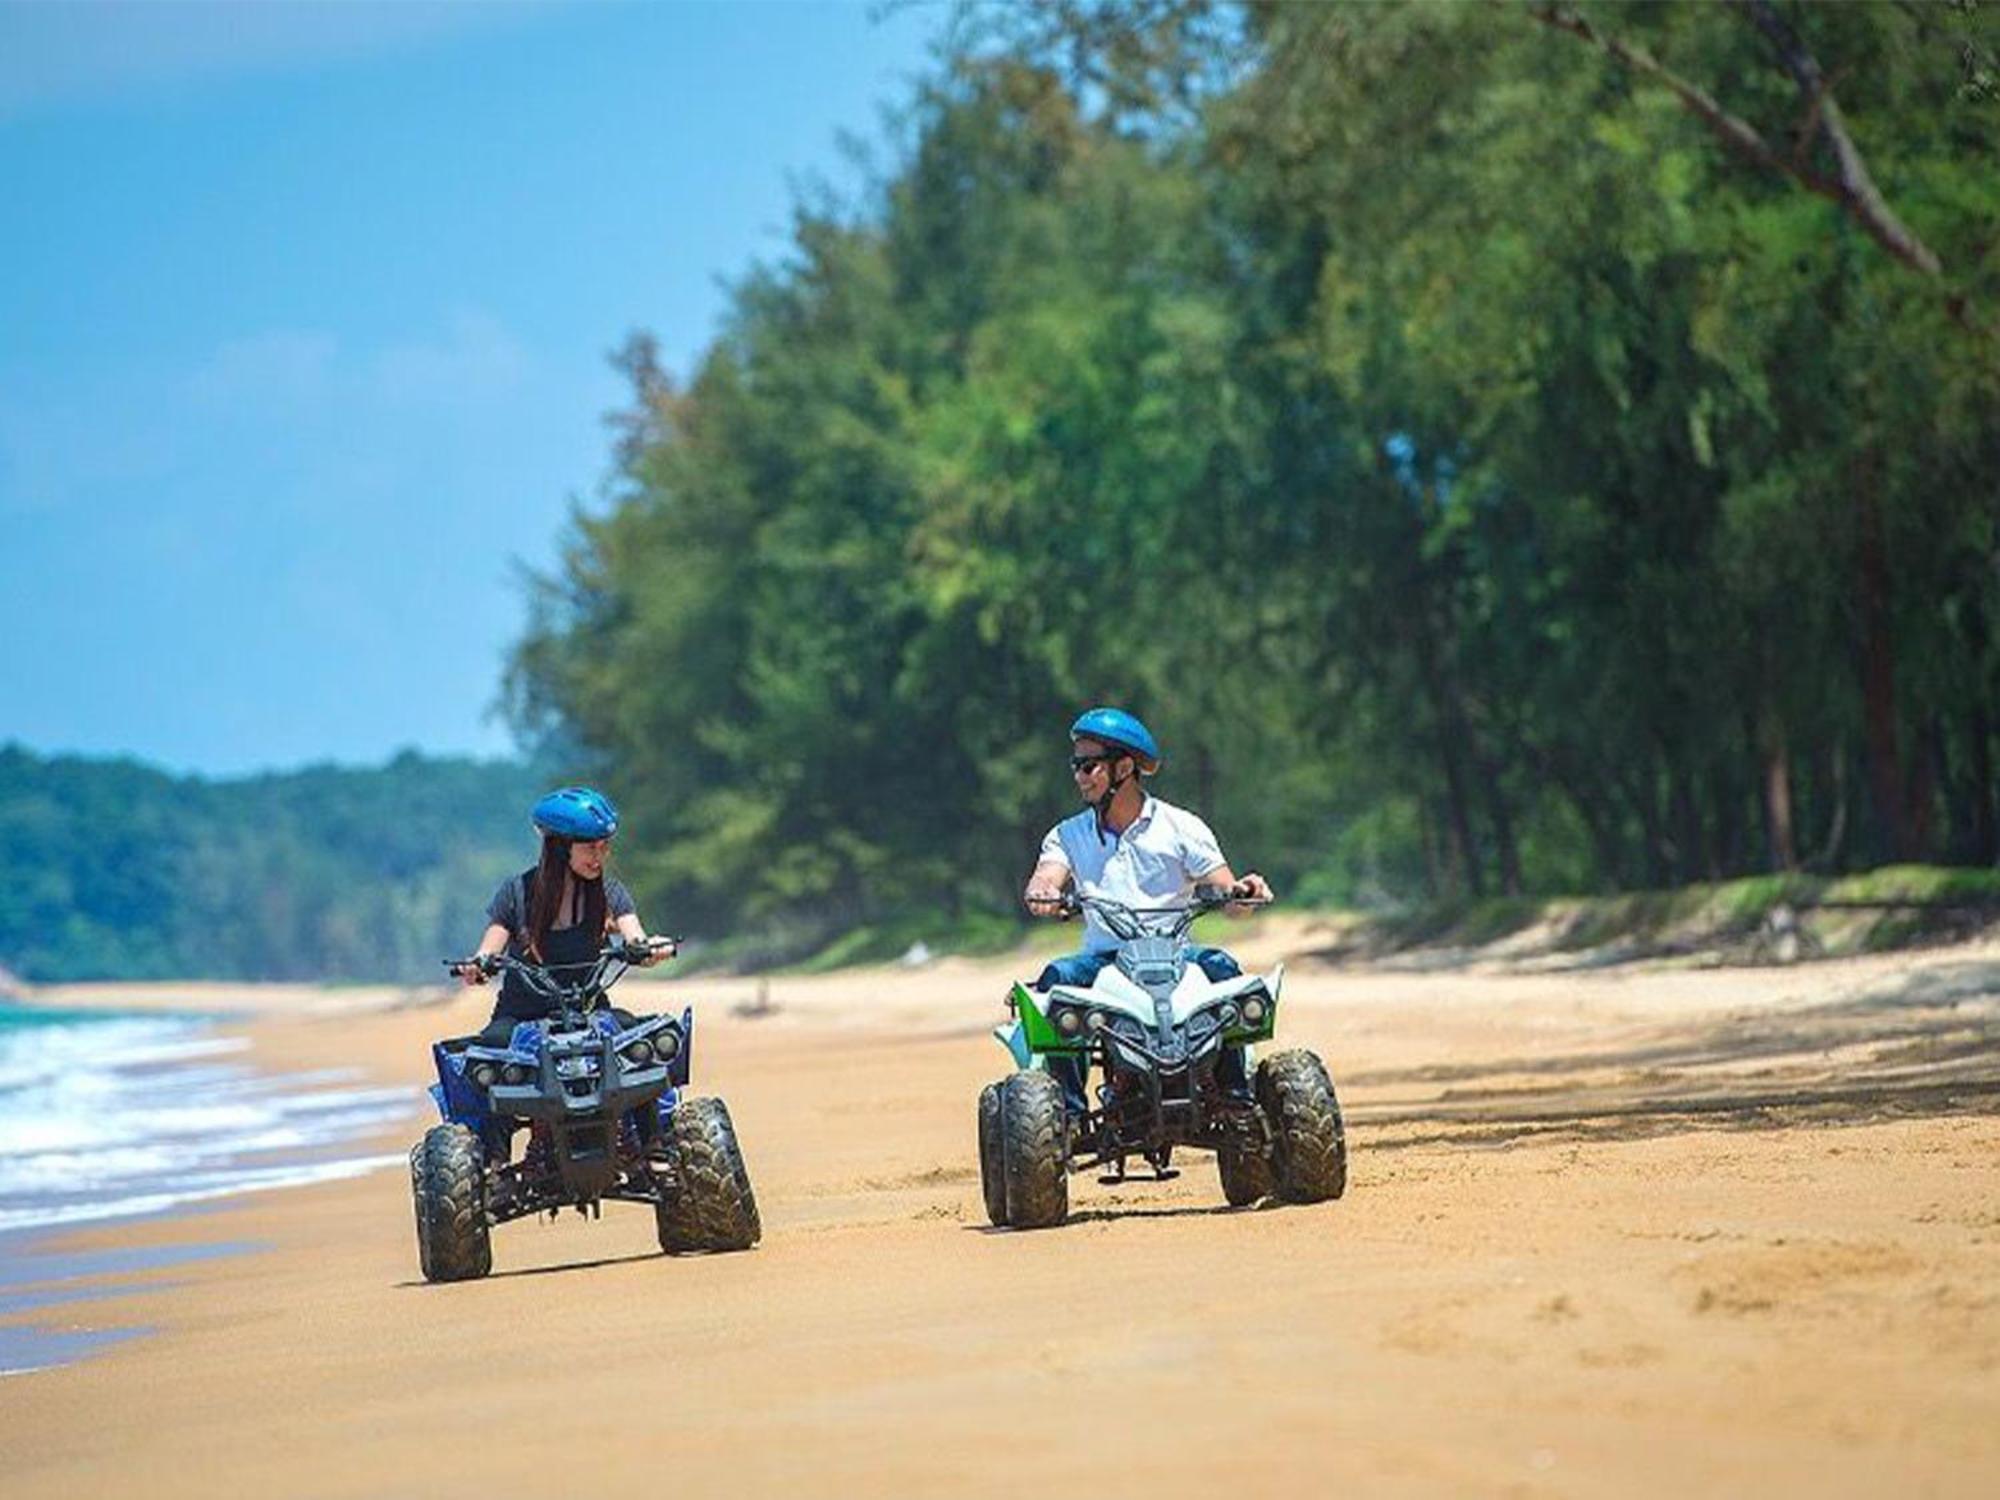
(600, 1092)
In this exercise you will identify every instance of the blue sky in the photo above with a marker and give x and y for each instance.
(304, 311)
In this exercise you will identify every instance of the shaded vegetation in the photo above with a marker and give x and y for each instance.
(121, 871)
(1487, 479)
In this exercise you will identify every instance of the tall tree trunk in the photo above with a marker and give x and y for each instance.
(1433, 866)
(1454, 743)
(1927, 774)
(1726, 804)
(1597, 819)
(1451, 753)
(1828, 858)
(1693, 861)
(1604, 850)
(1502, 819)
(1781, 838)
(1878, 672)
(1655, 847)
(1979, 758)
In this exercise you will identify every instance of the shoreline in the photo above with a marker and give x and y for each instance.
(1637, 1232)
(120, 1112)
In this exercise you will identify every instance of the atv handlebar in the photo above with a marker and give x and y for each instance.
(622, 951)
(1131, 921)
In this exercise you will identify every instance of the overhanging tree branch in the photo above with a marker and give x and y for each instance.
(1858, 192)
(1852, 187)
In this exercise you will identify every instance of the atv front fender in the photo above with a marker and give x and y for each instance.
(1014, 1038)
(1031, 1032)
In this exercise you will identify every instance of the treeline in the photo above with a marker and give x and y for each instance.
(120, 871)
(1498, 447)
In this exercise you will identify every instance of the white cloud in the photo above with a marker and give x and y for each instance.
(476, 357)
(282, 365)
(248, 411)
(67, 51)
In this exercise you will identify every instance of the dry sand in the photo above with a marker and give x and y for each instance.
(1639, 1232)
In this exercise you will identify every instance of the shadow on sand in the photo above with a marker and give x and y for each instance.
(1927, 1044)
(557, 1270)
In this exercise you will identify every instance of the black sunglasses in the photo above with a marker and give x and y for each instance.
(1085, 762)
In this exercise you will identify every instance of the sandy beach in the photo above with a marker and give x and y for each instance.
(1641, 1231)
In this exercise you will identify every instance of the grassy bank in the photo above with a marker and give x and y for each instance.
(1766, 916)
(1760, 919)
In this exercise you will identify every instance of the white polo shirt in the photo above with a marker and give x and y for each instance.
(1156, 861)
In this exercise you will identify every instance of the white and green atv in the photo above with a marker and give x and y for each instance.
(1156, 1029)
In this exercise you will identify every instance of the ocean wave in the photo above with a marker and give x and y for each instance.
(110, 1117)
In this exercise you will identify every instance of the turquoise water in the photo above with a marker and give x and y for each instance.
(109, 1116)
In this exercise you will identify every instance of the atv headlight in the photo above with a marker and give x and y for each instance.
(514, 1073)
(668, 1045)
(640, 1053)
(1094, 1020)
(1254, 1011)
(483, 1074)
(1068, 1022)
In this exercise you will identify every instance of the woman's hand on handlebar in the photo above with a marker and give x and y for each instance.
(644, 952)
(474, 970)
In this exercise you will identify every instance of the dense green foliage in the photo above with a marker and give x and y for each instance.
(121, 871)
(1481, 475)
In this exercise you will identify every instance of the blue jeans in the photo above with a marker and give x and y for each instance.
(1080, 971)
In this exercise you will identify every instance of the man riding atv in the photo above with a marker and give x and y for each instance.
(1133, 848)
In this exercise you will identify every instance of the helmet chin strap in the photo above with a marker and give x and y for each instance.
(1103, 804)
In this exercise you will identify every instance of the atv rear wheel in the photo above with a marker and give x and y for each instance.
(1034, 1150)
(992, 1156)
(448, 1187)
(710, 1206)
(1309, 1143)
(1246, 1176)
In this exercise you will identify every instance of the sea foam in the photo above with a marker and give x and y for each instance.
(112, 1116)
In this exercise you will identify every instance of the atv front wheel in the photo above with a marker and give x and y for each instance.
(1034, 1150)
(710, 1206)
(992, 1156)
(448, 1186)
(1246, 1176)
(1309, 1144)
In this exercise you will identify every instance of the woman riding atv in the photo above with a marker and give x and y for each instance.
(559, 912)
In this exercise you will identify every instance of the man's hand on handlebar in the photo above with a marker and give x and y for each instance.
(1047, 901)
(1239, 896)
(1252, 887)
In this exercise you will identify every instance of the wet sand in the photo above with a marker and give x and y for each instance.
(1635, 1232)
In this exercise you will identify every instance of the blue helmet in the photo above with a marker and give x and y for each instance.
(577, 812)
(1114, 726)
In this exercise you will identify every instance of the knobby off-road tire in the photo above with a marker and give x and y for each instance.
(1246, 1176)
(992, 1156)
(1034, 1149)
(711, 1206)
(1309, 1144)
(448, 1186)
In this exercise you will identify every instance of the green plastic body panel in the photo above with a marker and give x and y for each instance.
(1037, 1031)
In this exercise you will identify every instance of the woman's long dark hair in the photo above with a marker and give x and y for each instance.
(545, 902)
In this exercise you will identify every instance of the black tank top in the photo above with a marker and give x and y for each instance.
(564, 946)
